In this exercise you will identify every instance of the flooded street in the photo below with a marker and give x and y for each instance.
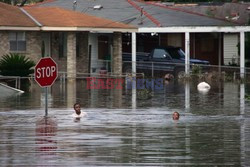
(123, 130)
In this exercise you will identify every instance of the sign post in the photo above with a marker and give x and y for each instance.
(45, 76)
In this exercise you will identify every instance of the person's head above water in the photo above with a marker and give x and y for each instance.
(77, 108)
(176, 115)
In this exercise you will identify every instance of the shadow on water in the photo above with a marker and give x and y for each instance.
(121, 129)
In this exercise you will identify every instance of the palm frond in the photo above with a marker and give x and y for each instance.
(15, 64)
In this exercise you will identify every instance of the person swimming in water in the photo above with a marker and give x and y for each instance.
(78, 113)
(176, 115)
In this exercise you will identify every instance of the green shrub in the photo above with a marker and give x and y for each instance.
(14, 64)
(196, 69)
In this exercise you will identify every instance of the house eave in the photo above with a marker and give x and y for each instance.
(195, 29)
(91, 29)
(17, 28)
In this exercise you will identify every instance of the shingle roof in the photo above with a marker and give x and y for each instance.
(168, 16)
(117, 10)
(58, 17)
(123, 11)
(13, 16)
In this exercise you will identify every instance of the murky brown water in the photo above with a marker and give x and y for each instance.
(214, 128)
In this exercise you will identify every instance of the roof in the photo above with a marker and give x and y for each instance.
(13, 16)
(129, 11)
(58, 17)
(174, 17)
(235, 12)
(55, 19)
(123, 12)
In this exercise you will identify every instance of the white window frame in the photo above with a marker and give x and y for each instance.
(15, 38)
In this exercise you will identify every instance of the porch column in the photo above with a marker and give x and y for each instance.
(71, 55)
(117, 53)
(134, 53)
(187, 53)
(242, 54)
(187, 96)
(133, 42)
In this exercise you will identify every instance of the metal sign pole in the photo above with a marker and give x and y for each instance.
(46, 101)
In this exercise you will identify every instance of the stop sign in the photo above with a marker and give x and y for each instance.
(46, 72)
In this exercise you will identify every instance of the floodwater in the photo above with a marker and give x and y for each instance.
(122, 129)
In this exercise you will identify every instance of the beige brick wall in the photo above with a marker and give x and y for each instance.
(117, 53)
(71, 55)
(4, 43)
(33, 44)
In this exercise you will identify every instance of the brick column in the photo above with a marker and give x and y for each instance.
(71, 55)
(117, 53)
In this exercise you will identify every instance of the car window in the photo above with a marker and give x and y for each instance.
(161, 53)
(176, 53)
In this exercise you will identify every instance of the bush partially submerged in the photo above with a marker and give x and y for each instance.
(14, 64)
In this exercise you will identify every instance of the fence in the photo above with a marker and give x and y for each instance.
(159, 69)
(146, 69)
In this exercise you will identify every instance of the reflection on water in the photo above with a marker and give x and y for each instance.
(121, 130)
(71, 92)
(46, 142)
(45, 132)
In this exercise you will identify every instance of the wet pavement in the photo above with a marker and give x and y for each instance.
(123, 130)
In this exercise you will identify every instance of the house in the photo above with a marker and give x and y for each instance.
(202, 36)
(59, 33)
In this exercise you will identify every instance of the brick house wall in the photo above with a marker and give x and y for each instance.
(34, 49)
(4, 43)
(81, 60)
(33, 44)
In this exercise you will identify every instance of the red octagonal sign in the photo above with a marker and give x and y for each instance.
(46, 72)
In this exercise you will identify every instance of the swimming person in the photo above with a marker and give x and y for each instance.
(78, 113)
(176, 115)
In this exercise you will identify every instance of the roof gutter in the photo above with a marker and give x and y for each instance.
(31, 17)
(196, 29)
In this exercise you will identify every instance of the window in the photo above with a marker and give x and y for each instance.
(161, 53)
(17, 41)
(176, 53)
(62, 44)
